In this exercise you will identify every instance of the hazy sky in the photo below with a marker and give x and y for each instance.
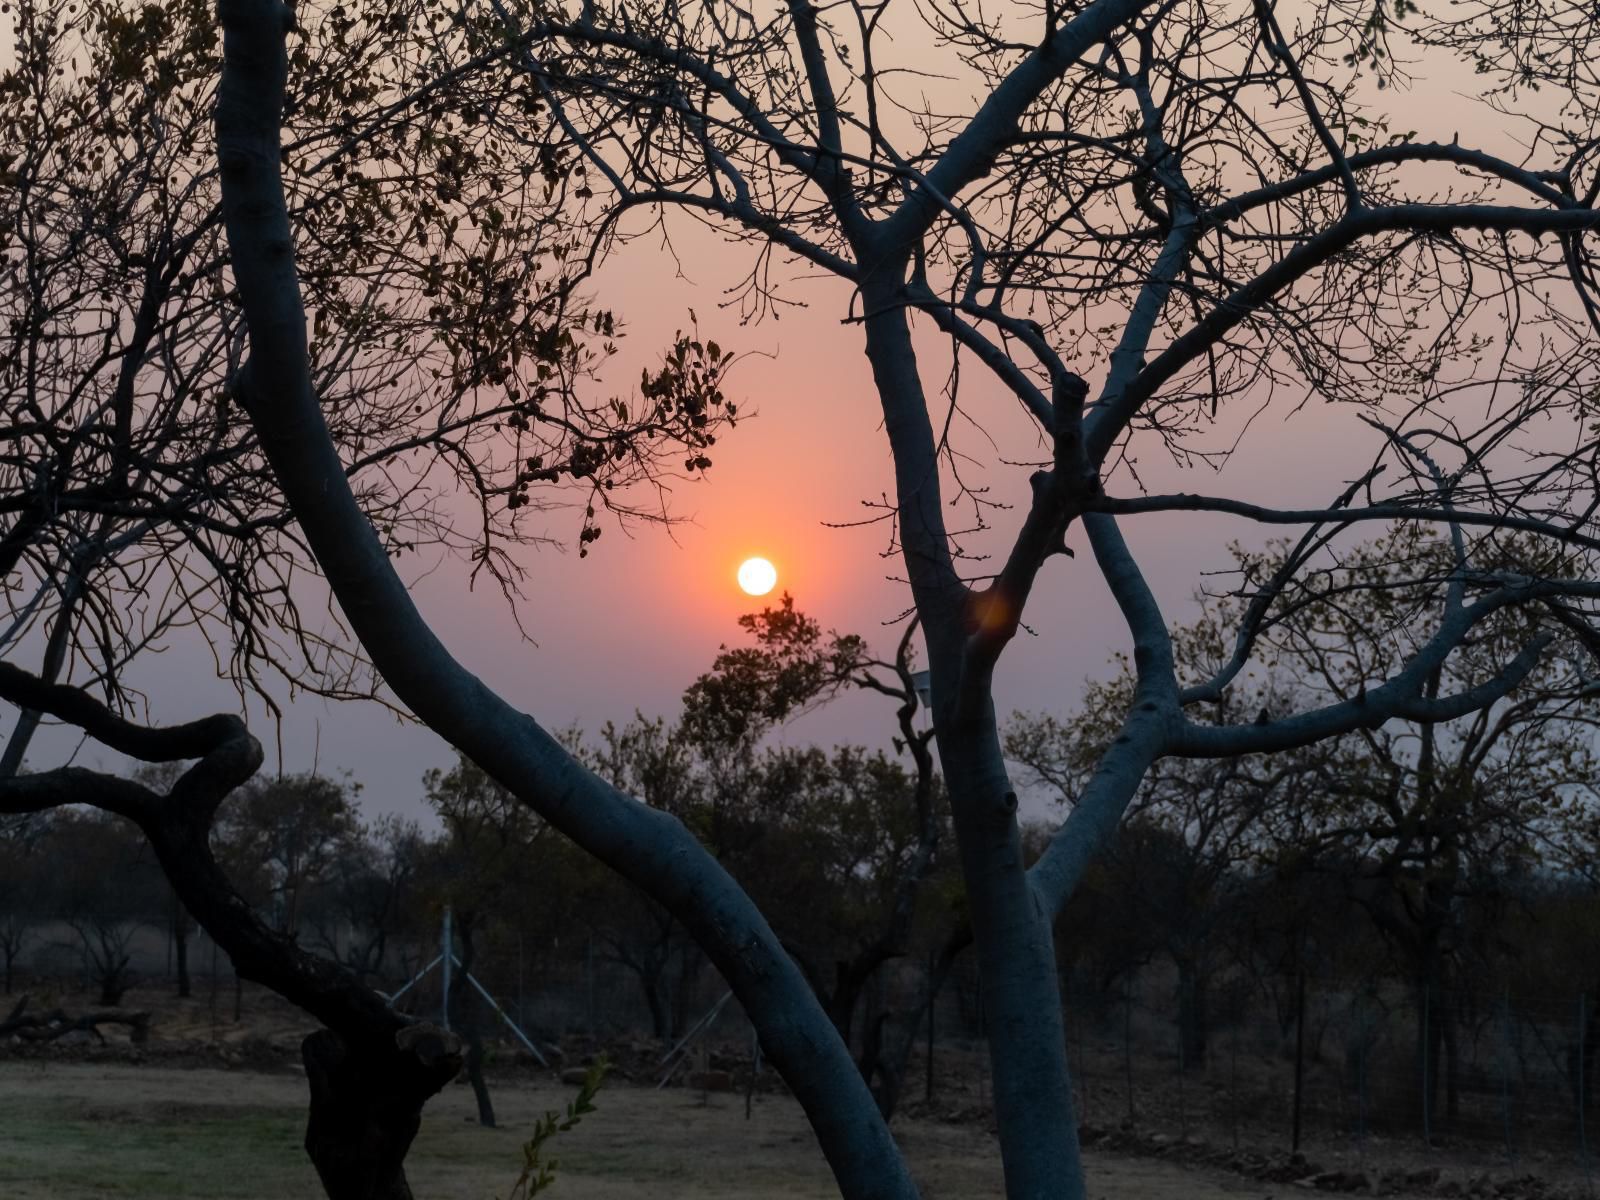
(633, 623)
(629, 626)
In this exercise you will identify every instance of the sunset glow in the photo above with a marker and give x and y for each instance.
(757, 576)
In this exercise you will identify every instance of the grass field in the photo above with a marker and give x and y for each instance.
(75, 1132)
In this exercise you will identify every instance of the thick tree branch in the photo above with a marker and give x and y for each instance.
(1386, 512)
(1118, 406)
(648, 847)
(973, 151)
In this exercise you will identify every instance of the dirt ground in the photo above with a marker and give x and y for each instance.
(75, 1131)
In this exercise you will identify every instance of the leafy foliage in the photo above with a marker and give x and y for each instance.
(539, 1173)
(454, 353)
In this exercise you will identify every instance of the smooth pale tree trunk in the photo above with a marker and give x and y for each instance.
(1013, 932)
(647, 847)
(1011, 924)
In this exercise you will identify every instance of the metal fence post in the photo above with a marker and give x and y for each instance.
(1299, 1054)
(1582, 1090)
(448, 956)
(590, 981)
(1183, 1111)
(927, 1086)
(1233, 1083)
(1505, 1068)
(1427, 1129)
(1361, 1075)
(1083, 1067)
(1127, 1041)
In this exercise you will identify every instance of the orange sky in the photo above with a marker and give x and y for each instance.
(634, 622)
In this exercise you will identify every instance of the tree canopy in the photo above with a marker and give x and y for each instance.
(1150, 220)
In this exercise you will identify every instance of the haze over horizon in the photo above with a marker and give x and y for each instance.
(633, 623)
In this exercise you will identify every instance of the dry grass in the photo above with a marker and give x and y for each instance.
(75, 1132)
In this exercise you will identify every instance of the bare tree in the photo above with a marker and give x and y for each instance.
(370, 1069)
(371, 896)
(451, 339)
(1115, 203)
(106, 890)
(22, 891)
(287, 836)
(1425, 818)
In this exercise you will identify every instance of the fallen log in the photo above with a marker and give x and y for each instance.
(47, 1027)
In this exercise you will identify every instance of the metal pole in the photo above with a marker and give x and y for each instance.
(1127, 1039)
(1505, 1067)
(1183, 1069)
(589, 971)
(711, 1015)
(1233, 1083)
(1083, 1068)
(415, 979)
(213, 989)
(755, 1069)
(1361, 1075)
(515, 1028)
(1583, 1071)
(927, 1083)
(1299, 1055)
(1427, 1130)
(985, 1092)
(449, 957)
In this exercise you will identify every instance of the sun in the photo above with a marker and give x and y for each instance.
(757, 576)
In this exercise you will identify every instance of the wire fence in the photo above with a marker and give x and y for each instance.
(1261, 1060)
(1258, 1060)
(1369, 1062)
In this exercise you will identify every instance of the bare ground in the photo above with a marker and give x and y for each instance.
(75, 1131)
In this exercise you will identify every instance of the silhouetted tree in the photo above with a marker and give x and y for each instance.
(1011, 232)
(1113, 234)
(285, 836)
(104, 885)
(24, 874)
(369, 896)
(370, 1069)
(484, 858)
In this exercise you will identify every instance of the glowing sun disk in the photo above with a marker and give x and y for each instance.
(757, 576)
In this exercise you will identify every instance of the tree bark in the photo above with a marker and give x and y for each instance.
(1012, 925)
(469, 1018)
(180, 946)
(366, 1107)
(1033, 1104)
(648, 847)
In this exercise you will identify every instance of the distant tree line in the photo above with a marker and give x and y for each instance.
(1435, 858)
(368, 892)
(1423, 857)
